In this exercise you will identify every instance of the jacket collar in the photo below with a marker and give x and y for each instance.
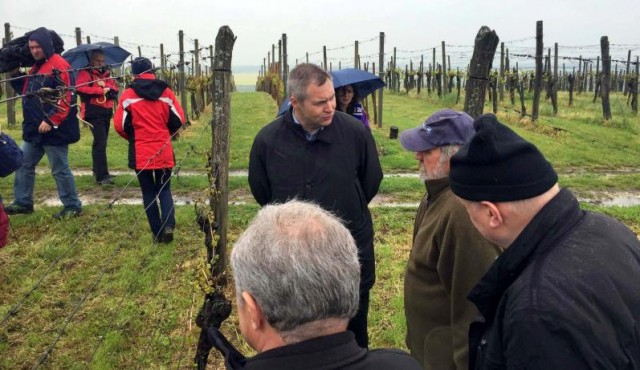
(325, 134)
(436, 187)
(541, 234)
(330, 351)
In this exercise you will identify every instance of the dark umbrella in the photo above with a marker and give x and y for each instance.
(284, 107)
(16, 52)
(78, 57)
(364, 82)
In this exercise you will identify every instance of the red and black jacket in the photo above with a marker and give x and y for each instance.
(147, 115)
(93, 100)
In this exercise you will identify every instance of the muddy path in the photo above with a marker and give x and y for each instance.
(132, 196)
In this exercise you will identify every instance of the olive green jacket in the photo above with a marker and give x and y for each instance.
(448, 258)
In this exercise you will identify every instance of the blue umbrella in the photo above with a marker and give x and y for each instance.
(364, 82)
(78, 57)
(284, 107)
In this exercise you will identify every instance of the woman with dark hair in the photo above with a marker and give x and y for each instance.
(347, 101)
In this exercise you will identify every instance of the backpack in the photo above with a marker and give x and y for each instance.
(10, 155)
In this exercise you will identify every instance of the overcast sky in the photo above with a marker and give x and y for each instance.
(411, 26)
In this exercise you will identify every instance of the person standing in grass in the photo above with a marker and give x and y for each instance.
(49, 126)
(296, 272)
(148, 115)
(314, 153)
(10, 160)
(448, 256)
(97, 93)
(564, 294)
(347, 101)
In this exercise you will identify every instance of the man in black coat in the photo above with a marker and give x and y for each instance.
(296, 274)
(564, 294)
(315, 153)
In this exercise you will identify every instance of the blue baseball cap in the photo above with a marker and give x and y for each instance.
(444, 127)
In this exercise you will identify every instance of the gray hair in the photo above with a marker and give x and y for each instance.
(301, 76)
(448, 151)
(300, 264)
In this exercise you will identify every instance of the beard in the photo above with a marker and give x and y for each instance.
(436, 174)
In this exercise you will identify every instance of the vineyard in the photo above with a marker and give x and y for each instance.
(95, 292)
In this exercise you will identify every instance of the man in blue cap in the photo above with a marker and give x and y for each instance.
(448, 256)
(50, 125)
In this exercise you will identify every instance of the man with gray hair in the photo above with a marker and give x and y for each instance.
(448, 256)
(312, 152)
(296, 273)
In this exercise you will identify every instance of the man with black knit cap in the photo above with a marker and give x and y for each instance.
(564, 294)
(448, 256)
(50, 125)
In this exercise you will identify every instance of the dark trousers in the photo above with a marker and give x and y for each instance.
(358, 324)
(100, 131)
(156, 188)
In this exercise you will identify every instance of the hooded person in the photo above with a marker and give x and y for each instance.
(448, 256)
(98, 91)
(148, 115)
(49, 126)
(564, 294)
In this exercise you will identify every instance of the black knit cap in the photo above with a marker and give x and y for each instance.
(497, 165)
(141, 65)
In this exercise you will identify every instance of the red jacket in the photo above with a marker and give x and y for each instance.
(147, 115)
(90, 92)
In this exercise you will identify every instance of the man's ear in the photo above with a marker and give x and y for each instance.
(255, 316)
(493, 214)
(294, 102)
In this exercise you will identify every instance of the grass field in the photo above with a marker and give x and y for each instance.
(105, 297)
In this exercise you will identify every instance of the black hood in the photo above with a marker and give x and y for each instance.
(43, 37)
(149, 89)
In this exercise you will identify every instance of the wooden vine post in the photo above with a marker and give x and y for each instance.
(484, 50)
(634, 92)
(11, 104)
(216, 308)
(538, 77)
(606, 77)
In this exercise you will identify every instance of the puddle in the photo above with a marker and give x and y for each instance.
(616, 201)
(76, 172)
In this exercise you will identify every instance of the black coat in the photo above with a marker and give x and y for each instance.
(339, 171)
(564, 295)
(337, 351)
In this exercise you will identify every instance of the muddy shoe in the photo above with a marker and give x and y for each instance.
(167, 235)
(16, 209)
(68, 212)
(106, 181)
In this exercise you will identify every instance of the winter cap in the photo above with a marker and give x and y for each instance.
(141, 65)
(497, 165)
(444, 127)
(43, 37)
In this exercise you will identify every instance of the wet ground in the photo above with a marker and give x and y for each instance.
(132, 197)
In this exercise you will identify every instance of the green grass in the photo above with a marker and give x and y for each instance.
(142, 312)
(575, 138)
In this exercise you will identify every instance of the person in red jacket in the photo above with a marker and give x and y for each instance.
(147, 115)
(49, 126)
(97, 92)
